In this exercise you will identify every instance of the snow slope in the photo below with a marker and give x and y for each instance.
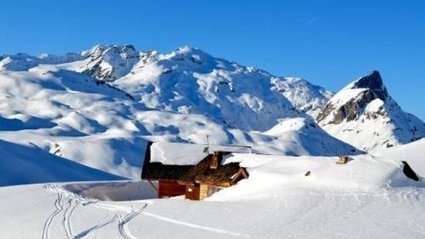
(367, 198)
(190, 81)
(22, 165)
(411, 153)
(23, 62)
(364, 115)
(302, 136)
(67, 114)
(304, 96)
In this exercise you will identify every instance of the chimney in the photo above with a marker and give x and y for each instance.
(214, 160)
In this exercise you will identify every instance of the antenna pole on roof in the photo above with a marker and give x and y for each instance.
(208, 141)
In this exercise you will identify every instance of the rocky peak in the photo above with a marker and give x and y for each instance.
(95, 51)
(364, 115)
(350, 102)
(108, 63)
(126, 51)
(372, 82)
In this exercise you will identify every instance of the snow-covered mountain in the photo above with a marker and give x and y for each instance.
(99, 107)
(189, 80)
(364, 115)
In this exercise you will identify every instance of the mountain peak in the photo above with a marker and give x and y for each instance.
(100, 50)
(350, 103)
(372, 82)
(364, 115)
(188, 49)
(110, 62)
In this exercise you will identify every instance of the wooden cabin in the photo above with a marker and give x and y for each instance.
(195, 171)
(209, 176)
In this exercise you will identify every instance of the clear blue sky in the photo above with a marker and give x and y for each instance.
(329, 43)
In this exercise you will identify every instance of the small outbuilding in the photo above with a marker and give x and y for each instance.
(196, 171)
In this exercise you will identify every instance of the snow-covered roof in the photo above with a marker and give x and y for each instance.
(229, 148)
(189, 154)
(177, 153)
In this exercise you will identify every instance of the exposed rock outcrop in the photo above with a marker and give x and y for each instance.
(373, 88)
(364, 115)
(108, 63)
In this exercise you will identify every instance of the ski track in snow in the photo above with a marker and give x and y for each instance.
(94, 228)
(187, 224)
(123, 214)
(48, 223)
(67, 216)
(124, 220)
(310, 221)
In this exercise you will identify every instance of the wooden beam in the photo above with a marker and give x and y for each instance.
(236, 176)
(244, 173)
(240, 172)
(153, 185)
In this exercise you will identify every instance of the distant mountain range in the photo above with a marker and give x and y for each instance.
(98, 107)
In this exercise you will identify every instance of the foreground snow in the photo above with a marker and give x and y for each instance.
(367, 198)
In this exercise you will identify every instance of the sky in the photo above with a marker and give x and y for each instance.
(327, 42)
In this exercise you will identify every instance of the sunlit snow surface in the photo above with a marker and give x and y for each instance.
(367, 198)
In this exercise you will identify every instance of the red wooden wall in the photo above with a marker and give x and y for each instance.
(170, 188)
(192, 192)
